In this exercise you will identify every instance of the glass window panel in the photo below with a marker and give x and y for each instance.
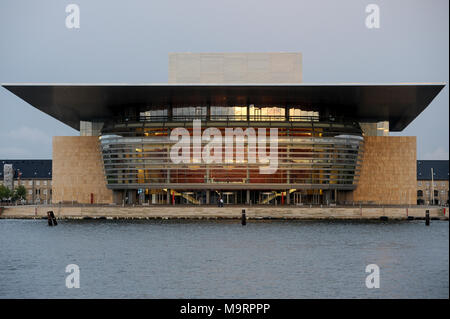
(154, 115)
(297, 114)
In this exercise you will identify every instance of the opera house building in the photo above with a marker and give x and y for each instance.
(331, 141)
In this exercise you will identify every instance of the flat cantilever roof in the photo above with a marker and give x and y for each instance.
(70, 103)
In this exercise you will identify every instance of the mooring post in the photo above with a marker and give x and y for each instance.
(52, 215)
(49, 219)
(243, 218)
(427, 218)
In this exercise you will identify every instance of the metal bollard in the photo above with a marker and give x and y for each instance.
(427, 218)
(243, 218)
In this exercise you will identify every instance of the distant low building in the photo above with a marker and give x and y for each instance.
(34, 175)
(432, 189)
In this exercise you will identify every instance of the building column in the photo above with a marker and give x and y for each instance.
(208, 112)
(247, 197)
(327, 196)
(288, 161)
(34, 195)
(170, 113)
(208, 193)
(288, 197)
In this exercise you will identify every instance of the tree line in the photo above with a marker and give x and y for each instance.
(6, 194)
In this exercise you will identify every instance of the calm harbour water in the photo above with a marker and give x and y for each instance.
(222, 259)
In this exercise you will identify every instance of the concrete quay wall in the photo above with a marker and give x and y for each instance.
(231, 212)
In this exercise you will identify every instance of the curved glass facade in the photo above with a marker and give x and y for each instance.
(313, 152)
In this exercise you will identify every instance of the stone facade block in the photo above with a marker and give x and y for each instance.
(78, 171)
(388, 173)
(272, 67)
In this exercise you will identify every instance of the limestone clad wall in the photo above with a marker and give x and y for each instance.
(78, 171)
(388, 173)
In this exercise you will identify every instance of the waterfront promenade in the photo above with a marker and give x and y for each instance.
(227, 212)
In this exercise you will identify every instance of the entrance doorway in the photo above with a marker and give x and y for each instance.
(229, 198)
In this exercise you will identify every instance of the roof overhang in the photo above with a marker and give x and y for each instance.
(399, 103)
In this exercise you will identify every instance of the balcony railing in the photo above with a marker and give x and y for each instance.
(229, 118)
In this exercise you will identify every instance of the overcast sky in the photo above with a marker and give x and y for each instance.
(129, 41)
